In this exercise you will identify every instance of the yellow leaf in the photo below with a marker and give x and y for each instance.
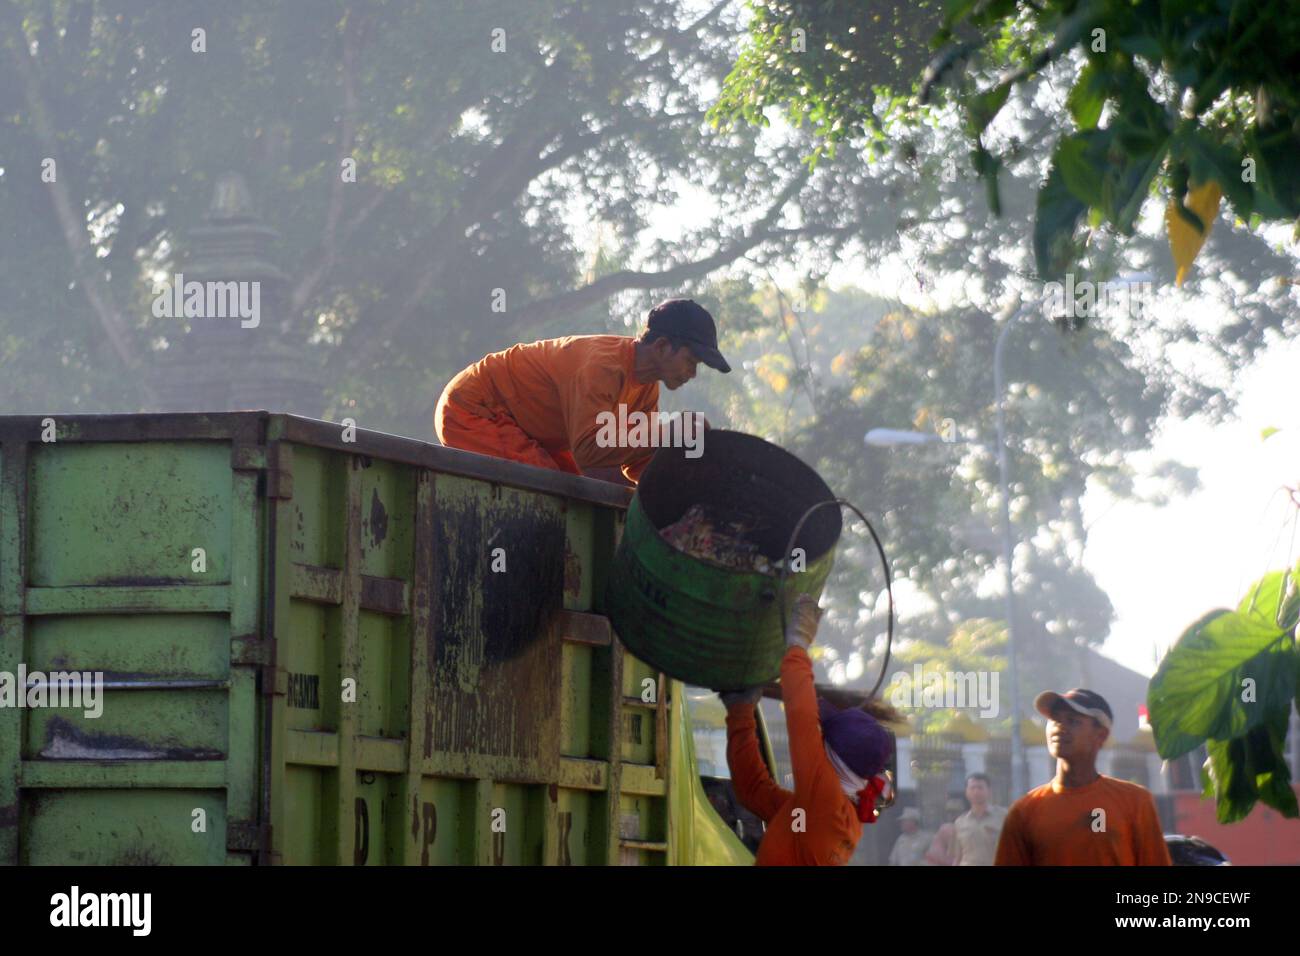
(1184, 240)
(840, 363)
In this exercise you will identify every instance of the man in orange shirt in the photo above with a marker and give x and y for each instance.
(837, 757)
(565, 403)
(1081, 818)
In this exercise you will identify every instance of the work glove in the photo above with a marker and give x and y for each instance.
(802, 626)
(749, 697)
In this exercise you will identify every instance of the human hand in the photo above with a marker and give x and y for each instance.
(749, 697)
(804, 617)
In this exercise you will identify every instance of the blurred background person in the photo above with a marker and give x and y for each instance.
(909, 849)
(977, 830)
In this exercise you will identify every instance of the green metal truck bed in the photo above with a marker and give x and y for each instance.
(321, 645)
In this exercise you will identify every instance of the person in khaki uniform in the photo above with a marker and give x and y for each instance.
(909, 849)
(979, 827)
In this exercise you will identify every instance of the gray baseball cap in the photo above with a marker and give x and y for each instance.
(1086, 702)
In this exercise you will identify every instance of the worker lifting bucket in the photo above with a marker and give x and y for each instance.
(701, 621)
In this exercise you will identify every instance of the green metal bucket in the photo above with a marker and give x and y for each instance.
(694, 619)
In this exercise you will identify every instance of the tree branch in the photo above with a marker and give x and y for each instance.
(599, 290)
(514, 163)
(504, 173)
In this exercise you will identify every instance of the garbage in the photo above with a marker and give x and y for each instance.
(725, 543)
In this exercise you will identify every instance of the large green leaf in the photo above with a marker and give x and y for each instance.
(1252, 767)
(1197, 692)
(987, 166)
(1277, 157)
(1128, 183)
(1076, 157)
(1141, 45)
(1209, 161)
(1088, 96)
(1274, 784)
(982, 107)
(1226, 779)
(1058, 213)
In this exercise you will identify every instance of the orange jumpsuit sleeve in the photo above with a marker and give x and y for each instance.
(754, 786)
(803, 724)
(1013, 848)
(1151, 849)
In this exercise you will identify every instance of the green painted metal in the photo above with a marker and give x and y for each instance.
(325, 649)
(708, 625)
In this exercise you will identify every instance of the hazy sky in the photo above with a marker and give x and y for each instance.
(1165, 567)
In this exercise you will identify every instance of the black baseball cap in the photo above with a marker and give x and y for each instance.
(1085, 702)
(691, 324)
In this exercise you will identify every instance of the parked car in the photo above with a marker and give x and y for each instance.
(1193, 851)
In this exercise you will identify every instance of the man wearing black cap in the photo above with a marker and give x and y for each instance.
(582, 402)
(1081, 818)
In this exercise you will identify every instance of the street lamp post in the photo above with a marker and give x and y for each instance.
(1004, 485)
(887, 437)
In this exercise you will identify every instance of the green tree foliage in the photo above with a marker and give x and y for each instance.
(1160, 97)
(831, 63)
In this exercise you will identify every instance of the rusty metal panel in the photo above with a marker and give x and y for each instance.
(496, 672)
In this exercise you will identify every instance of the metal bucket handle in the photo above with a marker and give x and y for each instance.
(884, 563)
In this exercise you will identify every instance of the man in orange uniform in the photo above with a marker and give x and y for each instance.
(542, 403)
(837, 756)
(1081, 818)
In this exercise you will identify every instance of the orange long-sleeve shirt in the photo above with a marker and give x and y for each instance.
(555, 389)
(816, 824)
(1108, 822)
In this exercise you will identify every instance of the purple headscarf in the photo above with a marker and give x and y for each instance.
(856, 737)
